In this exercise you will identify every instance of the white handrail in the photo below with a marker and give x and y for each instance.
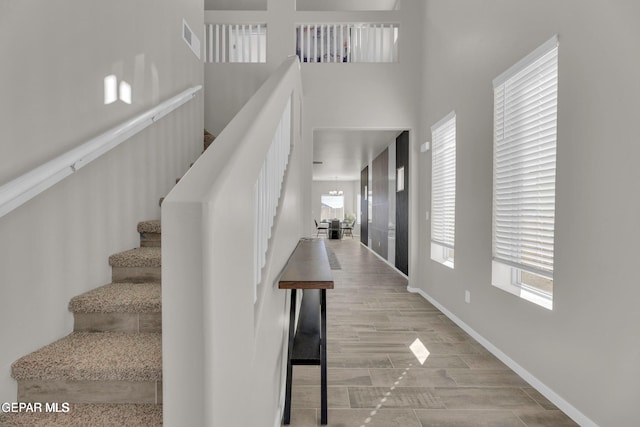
(22, 189)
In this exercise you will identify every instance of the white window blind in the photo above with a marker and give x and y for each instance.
(524, 169)
(443, 182)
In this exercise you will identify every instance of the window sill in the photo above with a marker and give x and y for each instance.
(501, 278)
(437, 255)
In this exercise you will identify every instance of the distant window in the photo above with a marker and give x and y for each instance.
(332, 207)
(443, 190)
(524, 159)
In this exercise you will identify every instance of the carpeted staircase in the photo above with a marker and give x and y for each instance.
(109, 369)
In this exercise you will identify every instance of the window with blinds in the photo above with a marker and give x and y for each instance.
(443, 189)
(524, 171)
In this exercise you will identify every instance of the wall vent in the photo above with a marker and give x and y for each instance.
(190, 38)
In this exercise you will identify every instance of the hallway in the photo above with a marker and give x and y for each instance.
(376, 380)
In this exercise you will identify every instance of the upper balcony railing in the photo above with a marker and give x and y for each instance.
(347, 42)
(315, 42)
(245, 43)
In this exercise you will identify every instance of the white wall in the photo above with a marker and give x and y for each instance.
(587, 349)
(55, 57)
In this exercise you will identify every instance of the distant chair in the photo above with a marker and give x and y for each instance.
(323, 227)
(347, 229)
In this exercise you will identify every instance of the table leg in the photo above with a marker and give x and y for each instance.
(287, 397)
(323, 356)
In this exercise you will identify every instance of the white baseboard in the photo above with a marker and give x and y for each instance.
(278, 421)
(562, 404)
(280, 408)
(385, 260)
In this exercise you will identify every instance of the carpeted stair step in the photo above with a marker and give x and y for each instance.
(119, 307)
(208, 139)
(136, 265)
(93, 367)
(150, 233)
(86, 414)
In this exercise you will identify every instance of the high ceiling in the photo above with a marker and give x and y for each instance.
(344, 153)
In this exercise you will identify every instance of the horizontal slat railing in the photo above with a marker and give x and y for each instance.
(15, 193)
(347, 42)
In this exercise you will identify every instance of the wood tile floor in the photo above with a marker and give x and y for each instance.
(375, 380)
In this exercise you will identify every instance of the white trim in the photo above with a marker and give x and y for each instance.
(280, 409)
(442, 121)
(438, 255)
(278, 421)
(502, 278)
(22, 189)
(527, 60)
(547, 392)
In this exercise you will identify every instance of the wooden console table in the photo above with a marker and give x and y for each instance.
(308, 269)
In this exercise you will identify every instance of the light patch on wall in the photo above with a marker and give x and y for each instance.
(113, 91)
(139, 76)
(110, 89)
(125, 92)
(155, 83)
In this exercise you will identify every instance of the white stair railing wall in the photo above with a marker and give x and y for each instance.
(347, 42)
(231, 221)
